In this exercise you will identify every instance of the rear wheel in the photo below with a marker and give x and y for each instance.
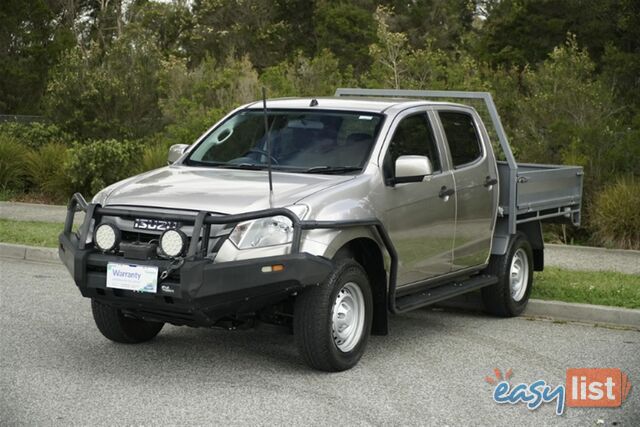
(117, 327)
(514, 270)
(332, 321)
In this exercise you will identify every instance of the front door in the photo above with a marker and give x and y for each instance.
(421, 222)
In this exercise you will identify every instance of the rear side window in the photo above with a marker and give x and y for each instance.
(462, 137)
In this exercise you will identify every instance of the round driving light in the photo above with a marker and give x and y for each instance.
(173, 242)
(106, 237)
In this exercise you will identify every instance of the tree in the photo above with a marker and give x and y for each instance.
(570, 117)
(621, 58)
(32, 37)
(390, 51)
(108, 95)
(193, 100)
(346, 29)
(441, 24)
(521, 32)
(398, 65)
(238, 28)
(302, 76)
(168, 23)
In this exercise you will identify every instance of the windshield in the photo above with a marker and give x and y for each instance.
(301, 141)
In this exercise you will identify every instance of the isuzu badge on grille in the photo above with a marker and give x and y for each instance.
(154, 224)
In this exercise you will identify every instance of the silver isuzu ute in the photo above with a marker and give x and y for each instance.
(321, 215)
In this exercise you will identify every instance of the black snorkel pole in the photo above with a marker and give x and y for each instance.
(266, 132)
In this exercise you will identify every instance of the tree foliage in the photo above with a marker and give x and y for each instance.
(303, 76)
(568, 117)
(442, 24)
(346, 29)
(112, 94)
(32, 37)
(194, 99)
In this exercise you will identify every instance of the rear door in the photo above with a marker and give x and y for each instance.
(421, 222)
(474, 172)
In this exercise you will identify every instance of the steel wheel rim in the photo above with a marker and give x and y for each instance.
(347, 317)
(519, 275)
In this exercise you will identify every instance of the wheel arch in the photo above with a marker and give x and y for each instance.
(368, 253)
(531, 230)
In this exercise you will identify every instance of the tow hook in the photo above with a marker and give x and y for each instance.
(175, 265)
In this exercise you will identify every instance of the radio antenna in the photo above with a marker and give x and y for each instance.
(266, 132)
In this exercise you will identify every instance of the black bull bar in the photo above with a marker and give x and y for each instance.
(202, 229)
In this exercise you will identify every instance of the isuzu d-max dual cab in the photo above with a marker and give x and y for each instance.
(323, 215)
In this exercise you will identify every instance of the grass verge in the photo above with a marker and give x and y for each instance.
(587, 287)
(601, 288)
(30, 232)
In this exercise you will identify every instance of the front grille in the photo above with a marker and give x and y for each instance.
(134, 236)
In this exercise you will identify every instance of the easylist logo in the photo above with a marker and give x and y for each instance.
(584, 387)
(591, 387)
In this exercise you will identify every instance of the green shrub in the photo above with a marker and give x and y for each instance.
(7, 194)
(96, 164)
(35, 135)
(616, 215)
(189, 129)
(12, 169)
(46, 171)
(154, 157)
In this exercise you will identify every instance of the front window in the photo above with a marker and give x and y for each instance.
(414, 136)
(301, 141)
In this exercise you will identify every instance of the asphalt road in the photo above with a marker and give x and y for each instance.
(56, 368)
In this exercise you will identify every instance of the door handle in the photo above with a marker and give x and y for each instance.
(446, 192)
(490, 181)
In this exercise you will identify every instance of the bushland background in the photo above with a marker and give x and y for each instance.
(93, 91)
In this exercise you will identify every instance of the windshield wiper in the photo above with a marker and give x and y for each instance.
(225, 165)
(248, 166)
(332, 169)
(192, 162)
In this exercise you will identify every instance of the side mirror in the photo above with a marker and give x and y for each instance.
(175, 152)
(412, 169)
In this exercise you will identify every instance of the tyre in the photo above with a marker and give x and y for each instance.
(332, 322)
(116, 327)
(514, 270)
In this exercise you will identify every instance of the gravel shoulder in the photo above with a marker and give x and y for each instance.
(586, 258)
(32, 212)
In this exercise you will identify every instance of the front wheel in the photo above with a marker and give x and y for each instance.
(117, 327)
(332, 321)
(514, 270)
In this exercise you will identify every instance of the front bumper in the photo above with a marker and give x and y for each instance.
(200, 292)
(204, 292)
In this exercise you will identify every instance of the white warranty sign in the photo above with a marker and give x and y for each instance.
(141, 278)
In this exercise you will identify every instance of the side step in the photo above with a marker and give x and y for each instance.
(440, 293)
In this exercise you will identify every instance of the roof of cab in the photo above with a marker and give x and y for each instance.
(372, 105)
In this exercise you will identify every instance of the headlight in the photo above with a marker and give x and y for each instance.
(275, 230)
(173, 243)
(106, 237)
